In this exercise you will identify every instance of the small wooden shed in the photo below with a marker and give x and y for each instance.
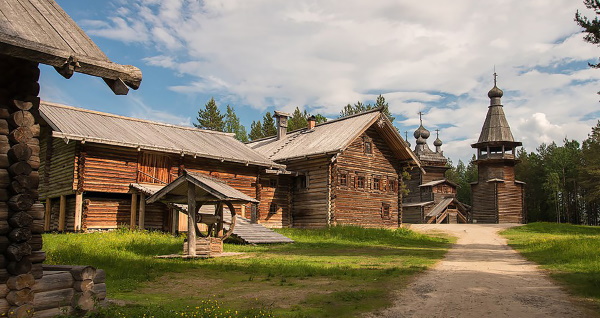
(195, 190)
(33, 32)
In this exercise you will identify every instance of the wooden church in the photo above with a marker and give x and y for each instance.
(431, 197)
(497, 196)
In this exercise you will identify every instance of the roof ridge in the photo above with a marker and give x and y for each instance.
(378, 109)
(52, 104)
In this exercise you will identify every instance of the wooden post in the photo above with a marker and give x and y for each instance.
(47, 214)
(62, 214)
(191, 235)
(133, 210)
(142, 211)
(78, 211)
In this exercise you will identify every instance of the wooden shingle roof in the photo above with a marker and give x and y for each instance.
(72, 123)
(333, 137)
(41, 31)
(495, 130)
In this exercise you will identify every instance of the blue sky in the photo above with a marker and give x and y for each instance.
(265, 55)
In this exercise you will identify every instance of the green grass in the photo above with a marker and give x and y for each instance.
(340, 271)
(571, 253)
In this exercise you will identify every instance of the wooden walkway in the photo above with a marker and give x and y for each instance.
(257, 233)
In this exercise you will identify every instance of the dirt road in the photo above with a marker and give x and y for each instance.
(482, 277)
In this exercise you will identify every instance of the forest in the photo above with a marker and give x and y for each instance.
(562, 181)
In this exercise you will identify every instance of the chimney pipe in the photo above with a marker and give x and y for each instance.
(282, 124)
(312, 121)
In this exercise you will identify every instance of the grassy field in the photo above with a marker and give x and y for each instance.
(571, 253)
(341, 271)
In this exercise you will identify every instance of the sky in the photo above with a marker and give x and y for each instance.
(437, 57)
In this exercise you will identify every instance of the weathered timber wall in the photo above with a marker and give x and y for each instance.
(414, 191)
(278, 194)
(109, 168)
(510, 203)
(106, 213)
(309, 205)
(363, 206)
(58, 166)
(412, 214)
(484, 202)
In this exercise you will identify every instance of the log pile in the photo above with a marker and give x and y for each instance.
(67, 289)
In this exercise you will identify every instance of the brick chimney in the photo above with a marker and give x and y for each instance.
(281, 121)
(312, 121)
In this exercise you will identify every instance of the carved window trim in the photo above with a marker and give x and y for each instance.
(367, 145)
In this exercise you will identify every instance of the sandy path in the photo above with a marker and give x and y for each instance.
(482, 277)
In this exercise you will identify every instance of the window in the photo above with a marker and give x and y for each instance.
(273, 208)
(344, 179)
(376, 182)
(368, 147)
(273, 183)
(392, 185)
(302, 182)
(385, 211)
(360, 182)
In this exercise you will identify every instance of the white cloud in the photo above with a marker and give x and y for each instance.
(323, 55)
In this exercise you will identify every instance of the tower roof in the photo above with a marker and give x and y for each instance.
(495, 130)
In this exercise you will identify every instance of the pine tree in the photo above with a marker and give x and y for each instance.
(268, 126)
(361, 108)
(232, 125)
(591, 27)
(210, 117)
(298, 120)
(256, 131)
(320, 118)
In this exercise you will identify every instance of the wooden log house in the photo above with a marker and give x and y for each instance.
(497, 196)
(431, 197)
(348, 170)
(34, 32)
(95, 167)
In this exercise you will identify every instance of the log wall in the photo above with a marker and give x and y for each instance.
(412, 214)
(364, 206)
(310, 204)
(57, 167)
(109, 168)
(497, 202)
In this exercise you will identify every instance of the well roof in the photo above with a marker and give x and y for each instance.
(41, 31)
(92, 126)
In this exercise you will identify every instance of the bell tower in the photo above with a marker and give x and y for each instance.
(497, 197)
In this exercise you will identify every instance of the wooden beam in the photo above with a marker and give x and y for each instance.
(78, 211)
(47, 214)
(191, 235)
(133, 210)
(62, 213)
(142, 217)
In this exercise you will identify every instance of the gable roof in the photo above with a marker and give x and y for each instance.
(207, 190)
(41, 31)
(92, 126)
(333, 137)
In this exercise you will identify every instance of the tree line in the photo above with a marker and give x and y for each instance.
(211, 118)
(562, 181)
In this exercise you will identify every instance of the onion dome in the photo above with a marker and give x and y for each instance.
(421, 132)
(437, 142)
(495, 92)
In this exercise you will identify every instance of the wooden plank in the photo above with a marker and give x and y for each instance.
(62, 213)
(191, 233)
(133, 210)
(47, 214)
(142, 218)
(78, 211)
